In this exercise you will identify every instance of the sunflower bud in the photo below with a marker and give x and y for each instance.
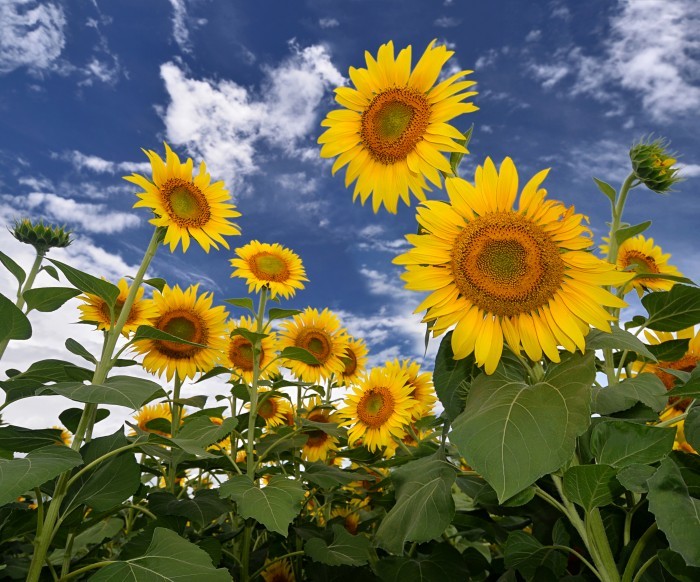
(42, 237)
(653, 165)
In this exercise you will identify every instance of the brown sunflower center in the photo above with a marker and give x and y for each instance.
(317, 342)
(240, 352)
(269, 267)
(185, 203)
(639, 262)
(393, 123)
(268, 408)
(185, 325)
(350, 361)
(686, 364)
(376, 406)
(118, 306)
(506, 264)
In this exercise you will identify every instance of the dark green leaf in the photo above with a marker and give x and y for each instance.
(251, 336)
(89, 284)
(244, 302)
(13, 267)
(51, 271)
(526, 554)
(634, 477)
(444, 564)
(673, 310)
(276, 313)
(330, 428)
(200, 432)
(274, 506)
(346, 549)
(48, 299)
(202, 509)
(78, 349)
(691, 428)
(675, 564)
(621, 443)
(25, 440)
(619, 339)
(300, 355)
(690, 387)
(27, 383)
(118, 390)
(591, 485)
(14, 325)
(513, 434)
(645, 388)
(606, 189)
(424, 505)
(168, 558)
(156, 282)
(95, 534)
(629, 231)
(669, 351)
(198, 401)
(148, 332)
(328, 476)
(451, 378)
(71, 417)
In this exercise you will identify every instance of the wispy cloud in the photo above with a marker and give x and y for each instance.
(181, 33)
(447, 22)
(99, 165)
(328, 22)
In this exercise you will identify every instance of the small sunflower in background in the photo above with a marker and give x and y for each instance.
(278, 571)
(190, 317)
(95, 310)
(319, 443)
(269, 265)
(66, 437)
(393, 128)
(320, 334)
(641, 256)
(421, 384)
(497, 273)
(187, 206)
(239, 353)
(151, 412)
(355, 360)
(378, 408)
(274, 409)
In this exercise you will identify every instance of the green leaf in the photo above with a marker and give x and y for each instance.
(25, 440)
(444, 564)
(51, 271)
(300, 355)
(89, 284)
(634, 477)
(451, 378)
(46, 299)
(676, 566)
(673, 310)
(621, 443)
(591, 485)
(274, 506)
(619, 339)
(526, 554)
(606, 189)
(118, 390)
(456, 157)
(251, 336)
(690, 387)
(677, 513)
(156, 282)
(14, 325)
(646, 388)
(424, 505)
(168, 558)
(244, 302)
(346, 549)
(328, 476)
(200, 432)
(78, 349)
(513, 434)
(276, 313)
(27, 383)
(330, 428)
(71, 417)
(19, 475)
(669, 351)
(198, 401)
(691, 428)
(13, 267)
(629, 231)
(148, 332)
(95, 534)
(202, 509)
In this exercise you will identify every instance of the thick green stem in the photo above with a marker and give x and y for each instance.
(174, 428)
(637, 552)
(618, 210)
(245, 551)
(599, 539)
(250, 444)
(65, 567)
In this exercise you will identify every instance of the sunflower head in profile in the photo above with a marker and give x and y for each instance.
(319, 443)
(393, 127)
(239, 353)
(95, 310)
(421, 384)
(274, 409)
(378, 408)
(498, 272)
(320, 334)
(190, 317)
(269, 265)
(278, 571)
(355, 360)
(187, 206)
(150, 412)
(641, 256)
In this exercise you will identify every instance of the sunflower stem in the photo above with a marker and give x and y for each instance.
(174, 427)
(260, 324)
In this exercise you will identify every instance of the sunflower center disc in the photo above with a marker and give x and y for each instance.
(350, 361)
(269, 267)
(118, 306)
(316, 342)
(506, 264)
(241, 353)
(393, 123)
(185, 203)
(640, 262)
(186, 326)
(317, 437)
(268, 408)
(375, 407)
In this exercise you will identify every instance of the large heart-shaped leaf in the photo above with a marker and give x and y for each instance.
(621, 443)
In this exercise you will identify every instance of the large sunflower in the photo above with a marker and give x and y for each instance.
(393, 128)
(95, 310)
(271, 265)
(319, 442)
(421, 385)
(498, 273)
(378, 408)
(355, 359)
(320, 334)
(239, 353)
(192, 318)
(641, 256)
(187, 205)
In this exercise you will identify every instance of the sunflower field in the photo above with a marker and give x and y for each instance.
(551, 440)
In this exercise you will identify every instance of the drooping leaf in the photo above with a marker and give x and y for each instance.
(71, 417)
(25, 440)
(89, 284)
(451, 378)
(300, 355)
(198, 433)
(14, 325)
(619, 339)
(424, 505)
(13, 267)
(274, 506)
(526, 554)
(156, 282)
(621, 443)
(19, 475)
(591, 485)
(512, 434)
(646, 388)
(244, 302)
(276, 313)
(251, 336)
(118, 390)
(78, 349)
(673, 310)
(345, 549)
(47, 299)
(27, 383)
(169, 557)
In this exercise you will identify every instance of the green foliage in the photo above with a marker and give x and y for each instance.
(345, 549)
(527, 555)
(621, 443)
(673, 310)
(300, 355)
(48, 299)
(13, 267)
(89, 284)
(644, 388)
(619, 339)
(591, 485)
(443, 564)
(14, 325)
(451, 378)
(125, 391)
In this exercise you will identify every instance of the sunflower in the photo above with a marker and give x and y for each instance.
(190, 317)
(680, 443)
(271, 265)
(319, 443)
(355, 360)
(95, 310)
(351, 519)
(274, 409)
(187, 205)
(223, 445)
(151, 412)
(239, 354)
(378, 408)
(66, 437)
(497, 272)
(278, 571)
(320, 334)
(641, 256)
(393, 127)
(421, 384)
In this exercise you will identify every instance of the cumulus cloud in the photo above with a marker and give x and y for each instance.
(224, 122)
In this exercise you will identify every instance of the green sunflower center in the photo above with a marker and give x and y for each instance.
(185, 325)
(185, 203)
(376, 406)
(506, 264)
(393, 123)
(269, 267)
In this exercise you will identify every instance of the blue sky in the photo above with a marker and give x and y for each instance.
(244, 85)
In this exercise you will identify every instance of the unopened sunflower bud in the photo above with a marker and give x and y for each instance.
(654, 165)
(41, 236)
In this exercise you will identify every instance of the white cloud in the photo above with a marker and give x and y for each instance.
(549, 75)
(328, 22)
(447, 22)
(32, 34)
(370, 238)
(99, 165)
(533, 35)
(298, 182)
(223, 122)
(606, 159)
(689, 170)
(180, 30)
